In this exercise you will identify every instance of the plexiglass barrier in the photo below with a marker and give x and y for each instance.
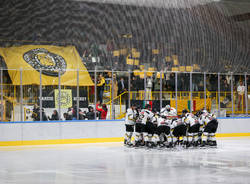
(28, 95)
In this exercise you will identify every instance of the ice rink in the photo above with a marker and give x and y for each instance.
(112, 163)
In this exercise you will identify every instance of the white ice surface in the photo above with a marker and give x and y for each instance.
(112, 163)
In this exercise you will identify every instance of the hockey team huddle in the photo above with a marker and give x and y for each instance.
(166, 129)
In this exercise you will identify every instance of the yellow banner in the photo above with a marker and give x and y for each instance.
(155, 51)
(182, 68)
(142, 67)
(66, 98)
(136, 54)
(116, 53)
(176, 62)
(189, 68)
(168, 58)
(50, 59)
(175, 69)
(159, 75)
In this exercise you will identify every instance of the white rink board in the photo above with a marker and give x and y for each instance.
(91, 129)
(234, 125)
(61, 130)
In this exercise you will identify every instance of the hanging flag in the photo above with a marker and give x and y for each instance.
(145, 102)
(50, 59)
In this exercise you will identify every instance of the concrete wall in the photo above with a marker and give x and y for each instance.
(28, 131)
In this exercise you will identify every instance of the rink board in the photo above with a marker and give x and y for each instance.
(94, 131)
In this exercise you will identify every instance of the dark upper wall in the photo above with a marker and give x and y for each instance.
(202, 35)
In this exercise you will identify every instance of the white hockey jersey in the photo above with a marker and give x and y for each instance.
(205, 118)
(164, 122)
(176, 122)
(155, 119)
(130, 117)
(146, 115)
(190, 119)
(169, 114)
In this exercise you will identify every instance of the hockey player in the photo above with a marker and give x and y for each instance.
(210, 125)
(147, 127)
(198, 114)
(178, 130)
(169, 112)
(193, 127)
(163, 131)
(155, 138)
(138, 129)
(129, 124)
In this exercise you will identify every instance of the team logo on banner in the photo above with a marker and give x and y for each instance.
(48, 62)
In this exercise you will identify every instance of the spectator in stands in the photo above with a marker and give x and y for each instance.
(115, 86)
(140, 84)
(54, 116)
(172, 81)
(35, 113)
(225, 86)
(70, 113)
(91, 92)
(201, 85)
(134, 87)
(66, 116)
(241, 91)
(195, 82)
(181, 84)
(81, 114)
(44, 117)
(91, 114)
(102, 109)
(122, 86)
(213, 82)
(157, 88)
(100, 87)
(149, 86)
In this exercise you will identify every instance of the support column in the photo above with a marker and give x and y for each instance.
(160, 90)
(232, 94)
(21, 93)
(191, 94)
(205, 91)
(77, 94)
(40, 96)
(218, 94)
(112, 97)
(129, 88)
(59, 94)
(176, 92)
(95, 92)
(1, 83)
(246, 97)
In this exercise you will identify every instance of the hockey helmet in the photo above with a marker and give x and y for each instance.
(184, 111)
(168, 107)
(134, 106)
(204, 111)
(198, 113)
